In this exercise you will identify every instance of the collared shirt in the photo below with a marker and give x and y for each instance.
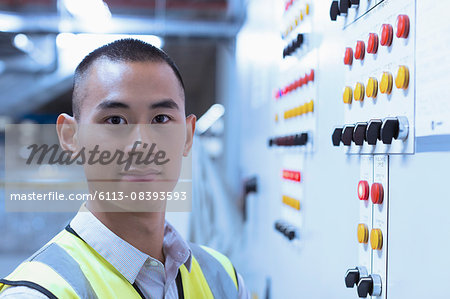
(154, 280)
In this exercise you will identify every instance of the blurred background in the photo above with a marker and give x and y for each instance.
(282, 165)
(41, 43)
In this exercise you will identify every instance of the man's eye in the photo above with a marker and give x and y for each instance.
(115, 120)
(160, 119)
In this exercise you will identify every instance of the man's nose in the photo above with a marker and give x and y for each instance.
(140, 138)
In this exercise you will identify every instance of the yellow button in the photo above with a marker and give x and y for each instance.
(292, 202)
(402, 79)
(347, 95)
(296, 21)
(307, 9)
(386, 83)
(310, 106)
(295, 112)
(290, 113)
(301, 15)
(363, 233)
(276, 117)
(376, 239)
(372, 88)
(359, 92)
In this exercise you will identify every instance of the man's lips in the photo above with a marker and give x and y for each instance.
(140, 175)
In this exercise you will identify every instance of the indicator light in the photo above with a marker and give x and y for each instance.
(386, 83)
(363, 190)
(402, 79)
(363, 233)
(359, 92)
(377, 193)
(402, 26)
(376, 239)
(387, 33)
(348, 57)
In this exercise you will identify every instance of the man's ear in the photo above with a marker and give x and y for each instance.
(190, 129)
(66, 127)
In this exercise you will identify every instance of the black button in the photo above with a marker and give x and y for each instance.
(336, 137)
(303, 138)
(334, 10)
(300, 40)
(389, 129)
(359, 134)
(290, 233)
(365, 287)
(347, 134)
(351, 277)
(373, 131)
(355, 2)
(344, 5)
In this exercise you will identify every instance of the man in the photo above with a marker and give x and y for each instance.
(126, 254)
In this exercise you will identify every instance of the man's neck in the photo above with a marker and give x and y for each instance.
(145, 231)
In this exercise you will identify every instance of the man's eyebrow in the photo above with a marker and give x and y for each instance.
(112, 105)
(166, 103)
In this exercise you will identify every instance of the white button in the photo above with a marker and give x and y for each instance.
(154, 263)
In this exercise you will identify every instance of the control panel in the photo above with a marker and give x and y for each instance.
(354, 163)
(378, 96)
(293, 113)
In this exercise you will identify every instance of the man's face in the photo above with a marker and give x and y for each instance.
(127, 102)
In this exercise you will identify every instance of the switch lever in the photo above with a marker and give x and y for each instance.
(352, 276)
(369, 285)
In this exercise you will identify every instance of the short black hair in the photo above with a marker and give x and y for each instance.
(122, 50)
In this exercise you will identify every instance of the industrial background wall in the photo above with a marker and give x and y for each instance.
(344, 122)
(321, 154)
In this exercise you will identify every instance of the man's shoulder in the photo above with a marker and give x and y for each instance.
(22, 292)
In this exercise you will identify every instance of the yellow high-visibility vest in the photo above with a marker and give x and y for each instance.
(67, 267)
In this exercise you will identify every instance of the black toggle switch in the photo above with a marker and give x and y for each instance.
(286, 229)
(359, 134)
(337, 136)
(347, 134)
(334, 10)
(373, 131)
(389, 129)
(365, 287)
(369, 286)
(344, 5)
(352, 277)
(304, 138)
(299, 40)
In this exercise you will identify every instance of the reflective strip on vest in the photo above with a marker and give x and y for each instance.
(68, 267)
(219, 281)
(59, 260)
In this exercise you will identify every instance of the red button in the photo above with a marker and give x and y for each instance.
(292, 175)
(363, 190)
(377, 193)
(359, 50)
(372, 44)
(311, 76)
(402, 26)
(302, 81)
(348, 57)
(291, 87)
(386, 35)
